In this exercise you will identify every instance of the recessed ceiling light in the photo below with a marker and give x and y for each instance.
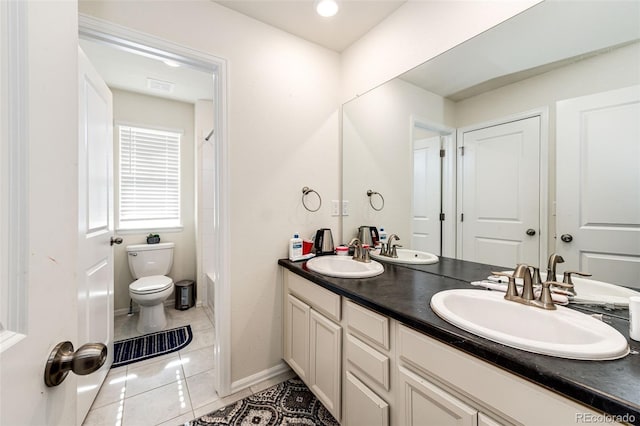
(170, 63)
(326, 8)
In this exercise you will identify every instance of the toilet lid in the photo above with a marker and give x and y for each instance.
(150, 284)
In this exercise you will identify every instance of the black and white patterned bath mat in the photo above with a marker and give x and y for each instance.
(287, 403)
(150, 345)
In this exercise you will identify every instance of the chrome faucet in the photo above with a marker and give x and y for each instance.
(545, 301)
(359, 253)
(392, 248)
(554, 259)
(522, 271)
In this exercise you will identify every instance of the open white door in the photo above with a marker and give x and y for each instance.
(500, 194)
(95, 224)
(598, 185)
(39, 272)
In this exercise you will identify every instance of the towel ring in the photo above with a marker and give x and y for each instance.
(370, 193)
(306, 191)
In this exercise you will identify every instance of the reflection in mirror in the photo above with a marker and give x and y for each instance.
(520, 86)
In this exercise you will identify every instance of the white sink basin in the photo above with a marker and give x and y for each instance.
(407, 257)
(562, 333)
(344, 267)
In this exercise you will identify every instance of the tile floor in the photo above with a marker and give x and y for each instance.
(167, 390)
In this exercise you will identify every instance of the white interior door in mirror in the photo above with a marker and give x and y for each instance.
(425, 217)
(500, 194)
(598, 185)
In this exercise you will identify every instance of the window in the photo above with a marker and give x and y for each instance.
(149, 178)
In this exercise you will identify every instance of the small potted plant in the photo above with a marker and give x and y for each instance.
(153, 239)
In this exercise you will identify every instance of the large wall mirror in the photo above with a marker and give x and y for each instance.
(520, 142)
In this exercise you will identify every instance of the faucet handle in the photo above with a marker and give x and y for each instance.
(566, 277)
(512, 290)
(394, 251)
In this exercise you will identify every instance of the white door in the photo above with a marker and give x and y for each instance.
(43, 293)
(500, 194)
(598, 185)
(425, 217)
(95, 219)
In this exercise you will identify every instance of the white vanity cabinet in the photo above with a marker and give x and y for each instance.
(368, 367)
(313, 339)
(370, 370)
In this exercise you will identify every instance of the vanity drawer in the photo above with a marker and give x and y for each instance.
(368, 360)
(319, 298)
(368, 325)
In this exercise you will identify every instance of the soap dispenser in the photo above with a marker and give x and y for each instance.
(295, 247)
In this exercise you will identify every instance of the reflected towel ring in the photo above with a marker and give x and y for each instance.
(306, 191)
(370, 193)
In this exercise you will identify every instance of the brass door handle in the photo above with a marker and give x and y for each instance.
(62, 359)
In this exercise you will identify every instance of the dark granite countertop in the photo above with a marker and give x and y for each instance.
(403, 293)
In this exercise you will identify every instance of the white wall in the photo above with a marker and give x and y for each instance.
(143, 110)
(415, 33)
(377, 148)
(283, 134)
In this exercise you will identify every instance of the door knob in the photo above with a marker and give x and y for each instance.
(62, 359)
(116, 240)
(567, 238)
(531, 232)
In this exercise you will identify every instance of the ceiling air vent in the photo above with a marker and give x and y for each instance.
(159, 85)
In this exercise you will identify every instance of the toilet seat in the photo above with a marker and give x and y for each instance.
(151, 284)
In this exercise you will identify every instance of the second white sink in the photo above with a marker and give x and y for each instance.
(407, 257)
(563, 333)
(344, 267)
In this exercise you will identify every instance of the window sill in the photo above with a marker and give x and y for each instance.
(130, 231)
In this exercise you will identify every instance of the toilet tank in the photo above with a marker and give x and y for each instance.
(150, 259)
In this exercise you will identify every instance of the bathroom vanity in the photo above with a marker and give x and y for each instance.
(374, 353)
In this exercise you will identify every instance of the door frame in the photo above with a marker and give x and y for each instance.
(126, 38)
(448, 184)
(543, 170)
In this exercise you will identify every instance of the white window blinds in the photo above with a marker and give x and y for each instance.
(149, 178)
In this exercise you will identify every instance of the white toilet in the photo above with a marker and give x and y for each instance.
(149, 264)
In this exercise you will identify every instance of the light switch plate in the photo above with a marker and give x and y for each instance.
(335, 207)
(345, 208)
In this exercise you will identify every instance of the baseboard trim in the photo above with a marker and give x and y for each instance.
(167, 303)
(261, 376)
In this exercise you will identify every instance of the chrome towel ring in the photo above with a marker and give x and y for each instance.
(306, 191)
(370, 194)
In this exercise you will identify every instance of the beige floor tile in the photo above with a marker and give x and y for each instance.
(197, 361)
(201, 339)
(109, 415)
(148, 376)
(180, 420)
(112, 389)
(158, 405)
(201, 389)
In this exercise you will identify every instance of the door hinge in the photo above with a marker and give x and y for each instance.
(462, 150)
(442, 153)
(442, 217)
(461, 217)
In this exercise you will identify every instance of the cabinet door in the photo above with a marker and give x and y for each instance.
(296, 329)
(325, 350)
(363, 406)
(423, 403)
